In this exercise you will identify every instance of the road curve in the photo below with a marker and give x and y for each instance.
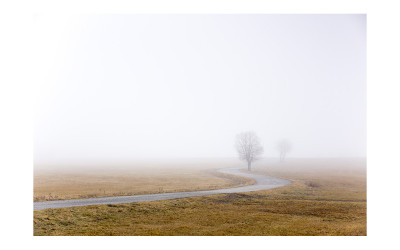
(263, 182)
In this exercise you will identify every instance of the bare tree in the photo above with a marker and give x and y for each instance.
(249, 148)
(283, 147)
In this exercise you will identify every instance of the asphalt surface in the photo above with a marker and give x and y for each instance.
(263, 182)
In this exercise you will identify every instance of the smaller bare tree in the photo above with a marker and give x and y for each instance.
(248, 147)
(283, 147)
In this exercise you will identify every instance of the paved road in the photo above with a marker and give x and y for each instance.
(263, 182)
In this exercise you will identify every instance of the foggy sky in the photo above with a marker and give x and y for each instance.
(121, 87)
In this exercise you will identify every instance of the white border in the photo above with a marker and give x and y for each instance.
(16, 128)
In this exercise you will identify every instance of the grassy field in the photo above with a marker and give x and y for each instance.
(325, 198)
(153, 178)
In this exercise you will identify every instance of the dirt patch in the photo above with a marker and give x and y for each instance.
(234, 197)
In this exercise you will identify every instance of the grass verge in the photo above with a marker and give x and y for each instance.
(323, 202)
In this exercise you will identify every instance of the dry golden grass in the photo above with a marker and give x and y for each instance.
(336, 205)
(332, 179)
(147, 179)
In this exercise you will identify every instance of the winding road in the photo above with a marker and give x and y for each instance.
(263, 182)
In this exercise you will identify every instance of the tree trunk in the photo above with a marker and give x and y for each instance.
(282, 157)
(249, 165)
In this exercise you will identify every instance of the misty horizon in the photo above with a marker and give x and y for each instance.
(130, 87)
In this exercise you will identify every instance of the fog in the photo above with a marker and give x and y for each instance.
(118, 88)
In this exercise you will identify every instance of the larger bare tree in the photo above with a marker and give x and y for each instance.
(248, 147)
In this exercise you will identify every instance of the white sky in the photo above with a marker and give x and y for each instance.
(153, 86)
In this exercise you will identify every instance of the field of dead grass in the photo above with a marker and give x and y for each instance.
(326, 198)
(146, 179)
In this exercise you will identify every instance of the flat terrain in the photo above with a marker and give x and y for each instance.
(78, 183)
(326, 198)
(262, 182)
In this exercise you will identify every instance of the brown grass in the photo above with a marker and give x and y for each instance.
(336, 206)
(103, 182)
